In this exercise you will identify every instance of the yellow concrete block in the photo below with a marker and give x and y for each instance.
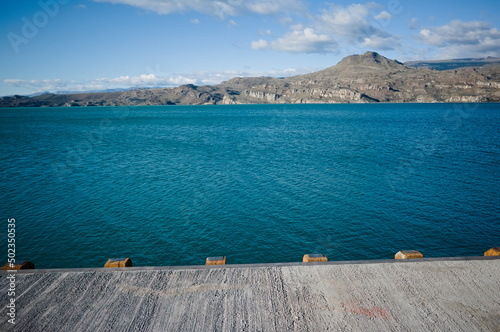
(118, 262)
(19, 265)
(408, 254)
(314, 258)
(218, 260)
(493, 252)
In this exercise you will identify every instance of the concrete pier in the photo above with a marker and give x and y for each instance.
(440, 294)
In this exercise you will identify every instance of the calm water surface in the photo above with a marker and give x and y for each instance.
(256, 183)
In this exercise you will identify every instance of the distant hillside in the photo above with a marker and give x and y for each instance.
(453, 63)
(366, 78)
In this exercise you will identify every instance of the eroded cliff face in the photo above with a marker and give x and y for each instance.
(366, 78)
(372, 78)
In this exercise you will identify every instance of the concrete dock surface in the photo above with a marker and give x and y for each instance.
(449, 294)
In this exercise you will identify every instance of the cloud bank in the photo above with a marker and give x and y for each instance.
(299, 41)
(221, 8)
(460, 39)
(155, 78)
(362, 26)
(357, 25)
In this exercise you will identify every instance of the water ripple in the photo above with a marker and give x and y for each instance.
(265, 183)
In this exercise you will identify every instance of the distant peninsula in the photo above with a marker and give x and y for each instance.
(366, 78)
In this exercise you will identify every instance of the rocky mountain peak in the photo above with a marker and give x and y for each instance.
(368, 61)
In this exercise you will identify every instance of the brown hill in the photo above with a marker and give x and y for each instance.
(369, 77)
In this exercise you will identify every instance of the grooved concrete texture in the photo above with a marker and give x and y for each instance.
(422, 295)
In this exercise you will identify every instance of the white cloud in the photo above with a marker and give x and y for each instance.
(463, 39)
(271, 7)
(297, 27)
(380, 43)
(145, 80)
(384, 16)
(414, 24)
(286, 21)
(195, 21)
(37, 85)
(259, 44)
(333, 26)
(156, 79)
(221, 8)
(348, 22)
(356, 24)
(299, 41)
(178, 80)
(353, 24)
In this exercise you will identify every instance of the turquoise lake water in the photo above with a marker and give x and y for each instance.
(257, 183)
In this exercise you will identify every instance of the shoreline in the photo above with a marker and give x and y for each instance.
(257, 265)
(257, 104)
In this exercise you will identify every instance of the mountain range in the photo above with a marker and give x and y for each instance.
(453, 63)
(365, 78)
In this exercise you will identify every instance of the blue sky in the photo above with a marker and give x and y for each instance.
(82, 45)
